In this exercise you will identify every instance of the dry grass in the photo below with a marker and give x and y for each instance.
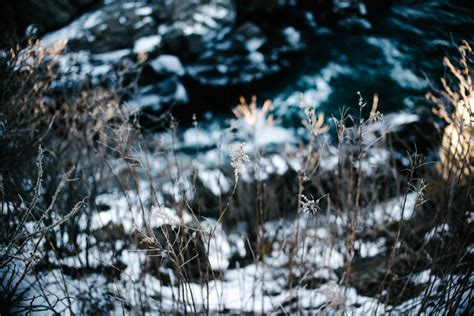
(62, 150)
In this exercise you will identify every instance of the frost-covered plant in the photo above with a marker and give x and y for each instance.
(238, 158)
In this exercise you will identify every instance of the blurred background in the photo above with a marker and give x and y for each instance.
(201, 55)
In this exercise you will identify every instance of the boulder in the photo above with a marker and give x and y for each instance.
(245, 56)
(113, 26)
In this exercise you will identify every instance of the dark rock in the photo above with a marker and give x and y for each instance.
(47, 15)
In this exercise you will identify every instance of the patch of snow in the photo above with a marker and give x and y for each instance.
(273, 135)
(437, 231)
(392, 210)
(254, 44)
(422, 277)
(313, 97)
(143, 11)
(197, 137)
(404, 77)
(256, 57)
(279, 164)
(140, 24)
(112, 56)
(371, 248)
(168, 64)
(181, 96)
(93, 19)
(292, 35)
(146, 44)
(215, 181)
(219, 249)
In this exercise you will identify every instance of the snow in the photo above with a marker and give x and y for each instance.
(112, 56)
(292, 35)
(168, 64)
(145, 21)
(273, 135)
(93, 19)
(313, 97)
(404, 77)
(219, 250)
(371, 248)
(181, 96)
(197, 137)
(146, 44)
(144, 11)
(256, 57)
(392, 210)
(71, 31)
(215, 181)
(437, 232)
(254, 44)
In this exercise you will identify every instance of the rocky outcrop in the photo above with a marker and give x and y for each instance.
(194, 48)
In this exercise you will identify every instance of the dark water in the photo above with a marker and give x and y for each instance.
(399, 58)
